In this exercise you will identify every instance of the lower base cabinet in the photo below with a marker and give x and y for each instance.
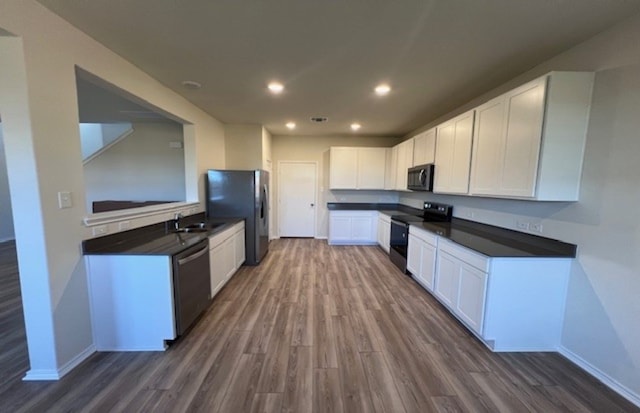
(226, 255)
(511, 304)
(462, 288)
(384, 231)
(421, 256)
(131, 302)
(353, 227)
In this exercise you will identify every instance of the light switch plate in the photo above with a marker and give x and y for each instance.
(64, 199)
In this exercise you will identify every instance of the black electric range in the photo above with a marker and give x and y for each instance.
(399, 240)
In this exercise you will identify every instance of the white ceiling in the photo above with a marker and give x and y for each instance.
(436, 54)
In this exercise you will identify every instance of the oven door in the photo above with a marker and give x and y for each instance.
(398, 243)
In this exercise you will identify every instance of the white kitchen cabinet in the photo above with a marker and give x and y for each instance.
(131, 302)
(371, 168)
(384, 231)
(472, 287)
(343, 168)
(353, 227)
(421, 256)
(453, 155)
(391, 168)
(404, 161)
(226, 255)
(239, 246)
(461, 283)
(424, 147)
(357, 168)
(511, 304)
(529, 142)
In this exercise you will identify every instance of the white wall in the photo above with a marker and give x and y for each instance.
(141, 167)
(601, 328)
(316, 148)
(38, 103)
(6, 215)
(243, 146)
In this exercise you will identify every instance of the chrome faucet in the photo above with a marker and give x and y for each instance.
(176, 219)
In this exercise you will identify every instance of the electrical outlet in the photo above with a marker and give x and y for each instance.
(124, 225)
(470, 214)
(100, 230)
(537, 227)
(523, 225)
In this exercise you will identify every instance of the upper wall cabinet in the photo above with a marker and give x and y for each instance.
(529, 142)
(453, 155)
(357, 168)
(424, 147)
(391, 168)
(404, 161)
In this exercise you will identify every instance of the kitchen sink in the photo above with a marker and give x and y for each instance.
(193, 229)
(198, 227)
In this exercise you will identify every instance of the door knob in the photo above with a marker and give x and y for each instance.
(312, 205)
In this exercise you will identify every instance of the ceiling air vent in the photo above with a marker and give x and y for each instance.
(319, 119)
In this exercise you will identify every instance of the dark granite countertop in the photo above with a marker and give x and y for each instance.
(391, 209)
(498, 242)
(486, 239)
(155, 239)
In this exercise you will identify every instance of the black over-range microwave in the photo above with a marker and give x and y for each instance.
(420, 178)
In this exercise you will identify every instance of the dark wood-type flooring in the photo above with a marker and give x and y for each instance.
(313, 329)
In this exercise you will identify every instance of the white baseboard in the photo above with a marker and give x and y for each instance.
(42, 375)
(607, 380)
(317, 237)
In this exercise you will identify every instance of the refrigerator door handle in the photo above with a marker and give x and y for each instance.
(265, 202)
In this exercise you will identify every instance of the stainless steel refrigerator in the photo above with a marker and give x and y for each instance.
(242, 194)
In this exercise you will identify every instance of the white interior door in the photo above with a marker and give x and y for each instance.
(297, 198)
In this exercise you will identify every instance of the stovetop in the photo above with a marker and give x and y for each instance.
(432, 213)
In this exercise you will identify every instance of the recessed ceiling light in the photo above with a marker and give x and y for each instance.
(355, 126)
(191, 84)
(291, 125)
(275, 87)
(382, 90)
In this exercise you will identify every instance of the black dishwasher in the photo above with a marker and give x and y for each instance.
(191, 284)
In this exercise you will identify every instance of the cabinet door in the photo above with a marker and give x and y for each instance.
(363, 229)
(339, 228)
(523, 135)
(427, 265)
(343, 168)
(414, 255)
(228, 249)
(401, 168)
(453, 155)
(391, 168)
(217, 270)
(380, 231)
(239, 248)
(371, 168)
(471, 296)
(386, 242)
(488, 141)
(424, 147)
(446, 280)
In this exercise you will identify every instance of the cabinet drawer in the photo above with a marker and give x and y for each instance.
(424, 235)
(472, 258)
